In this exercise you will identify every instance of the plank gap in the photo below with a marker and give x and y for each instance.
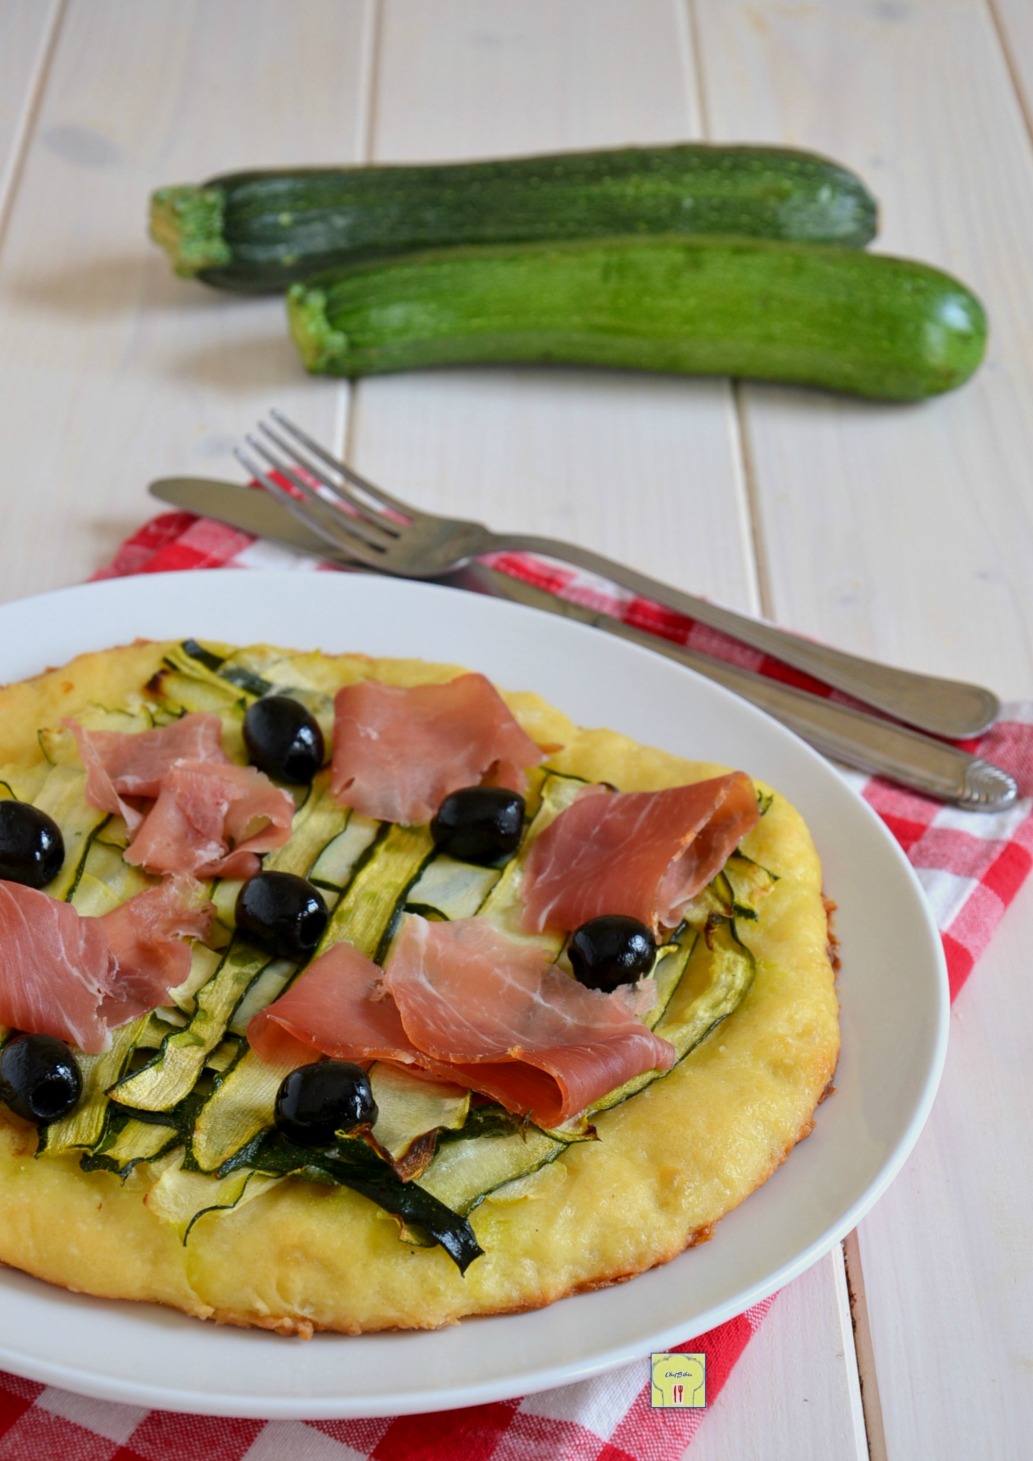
(756, 565)
(864, 1348)
(30, 112)
(347, 404)
(371, 77)
(748, 475)
(695, 48)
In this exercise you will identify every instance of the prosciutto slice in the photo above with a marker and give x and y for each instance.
(78, 977)
(121, 765)
(644, 854)
(55, 972)
(336, 1006)
(147, 939)
(191, 809)
(212, 820)
(467, 1004)
(398, 752)
(510, 1024)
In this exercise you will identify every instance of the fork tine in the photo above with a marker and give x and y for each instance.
(369, 514)
(332, 522)
(367, 529)
(302, 512)
(378, 494)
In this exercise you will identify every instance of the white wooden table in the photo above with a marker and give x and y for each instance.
(901, 532)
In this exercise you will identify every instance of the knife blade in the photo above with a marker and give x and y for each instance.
(246, 508)
(866, 742)
(264, 516)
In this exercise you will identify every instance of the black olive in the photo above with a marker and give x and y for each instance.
(612, 950)
(283, 739)
(479, 824)
(315, 1102)
(31, 846)
(282, 913)
(39, 1078)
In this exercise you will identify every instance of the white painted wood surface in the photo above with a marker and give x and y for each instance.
(26, 31)
(916, 97)
(903, 532)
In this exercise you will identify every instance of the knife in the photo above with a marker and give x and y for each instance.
(851, 736)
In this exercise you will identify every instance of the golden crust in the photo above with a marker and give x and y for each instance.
(669, 1163)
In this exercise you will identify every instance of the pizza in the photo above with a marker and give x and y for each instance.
(354, 994)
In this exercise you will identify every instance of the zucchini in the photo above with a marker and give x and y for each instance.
(808, 314)
(701, 981)
(127, 1142)
(478, 1161)
(411, 1111)
(422, 1218)
(259, 231)
(171, 1075)
(62, 796)
(181, 1092)
(385, 881)
(180, 1196)
(83, 1127)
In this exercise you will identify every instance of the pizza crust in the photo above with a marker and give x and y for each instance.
(667, 1165)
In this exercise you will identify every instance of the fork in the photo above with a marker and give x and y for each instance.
(382, 532)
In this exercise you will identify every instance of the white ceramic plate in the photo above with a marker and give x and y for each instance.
(887, 1077)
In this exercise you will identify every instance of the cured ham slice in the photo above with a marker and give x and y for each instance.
(508, 1023)
(465, 1003)
(398, 752)
(336, 1006)
(211, 820)
(78, 977)
(644, 854)
(203, 815)
(147, 939)
(121, 765)
(55, 972)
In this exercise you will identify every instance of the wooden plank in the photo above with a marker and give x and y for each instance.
(113, 371)
(905, 532)
(945, 1254)
(28, 28)
(917, 98)
(646, 467)
(786, 1397)
(460, 79)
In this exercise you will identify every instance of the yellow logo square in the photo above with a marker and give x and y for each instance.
(679, 1380)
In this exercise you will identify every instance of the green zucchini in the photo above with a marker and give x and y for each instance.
(180, 1196)
(712, 975)
(471, 1167)
(127, 1142)
(423, 1219)
(180, 1089)
(84, 1127)
(259, 231)
(396, 873)
(171, 1075)
(808, 314)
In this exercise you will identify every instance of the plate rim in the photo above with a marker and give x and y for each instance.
(520, 621)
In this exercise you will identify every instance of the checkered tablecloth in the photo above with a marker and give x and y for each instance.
(971, 867)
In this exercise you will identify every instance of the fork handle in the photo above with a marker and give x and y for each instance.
(867, 742)
(949, 708)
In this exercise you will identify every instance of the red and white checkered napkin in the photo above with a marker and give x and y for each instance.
(971, 867)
